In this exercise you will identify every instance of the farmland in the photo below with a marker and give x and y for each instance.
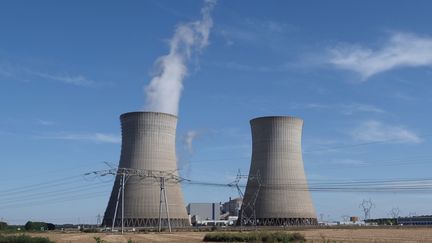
(361, 234)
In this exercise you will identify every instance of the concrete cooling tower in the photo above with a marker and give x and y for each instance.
(283, 197)
(148, 143)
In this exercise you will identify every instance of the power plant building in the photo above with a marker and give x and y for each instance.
(277, 191)
(415, 220)
(204, 211)
(232, 207)
(148, 143)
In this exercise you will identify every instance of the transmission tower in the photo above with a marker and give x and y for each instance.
(248, 214)
(98, 220)
(366, 206)
(162, 177)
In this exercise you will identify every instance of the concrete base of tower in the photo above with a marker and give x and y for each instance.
(148, 222)
(282, 222)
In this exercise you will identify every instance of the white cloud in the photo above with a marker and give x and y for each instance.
(346, 109)
(284, 67)
(93, 137)
(403, 96)
(5, 72)
(375, 131)
(400, 50)
(77, 80)
(341, 161)
(347, 162)
(26, 74)
(255, 31)
(45, 122)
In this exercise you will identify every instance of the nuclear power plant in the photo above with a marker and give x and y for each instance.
(277, 191)
(148, 144)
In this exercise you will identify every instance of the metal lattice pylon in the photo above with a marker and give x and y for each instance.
(248, 212)
(162, 177)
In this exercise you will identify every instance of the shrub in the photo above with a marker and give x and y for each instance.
(254, 237)
(3, 225)
(39, 226)
(50, 226)
(98, 239)
(90, 230)
(23, 239)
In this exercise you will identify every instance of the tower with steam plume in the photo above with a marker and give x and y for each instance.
(148, 138)
(148, 143)
(283, 197)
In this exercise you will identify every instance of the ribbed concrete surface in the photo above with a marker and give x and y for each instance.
(148, 142)
(277, 154)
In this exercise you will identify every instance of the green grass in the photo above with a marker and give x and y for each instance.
(254, 237)
(23, 239)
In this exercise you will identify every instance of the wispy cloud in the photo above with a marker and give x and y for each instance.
(375, 131)
(44, 122)
(399, 50)
(403, 96)
(77, 80)
(347, 162)
(283, 67)
(346, 109)
(254, 31)
(341, 161)
(92, 137)
(26, 74)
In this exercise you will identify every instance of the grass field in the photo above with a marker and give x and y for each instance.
(400, 234)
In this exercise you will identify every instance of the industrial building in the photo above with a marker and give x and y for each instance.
(148, 144)
(232, 207)
(204, 211)
(415, 220)
(277, 191)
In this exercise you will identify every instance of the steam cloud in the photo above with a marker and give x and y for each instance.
(189, 138)
(164, 91)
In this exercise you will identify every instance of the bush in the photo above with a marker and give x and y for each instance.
(98, 239)
(39, 226)
(50, 226)
(23, 239)
(254, 237)
(3, 225)
(90, 230)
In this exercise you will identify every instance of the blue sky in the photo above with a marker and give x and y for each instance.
(357, 73)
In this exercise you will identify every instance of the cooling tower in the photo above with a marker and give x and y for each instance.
(148, 143)
(283, 197)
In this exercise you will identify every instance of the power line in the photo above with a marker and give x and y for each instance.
(54, 193)
(31, 187)
(60, 199)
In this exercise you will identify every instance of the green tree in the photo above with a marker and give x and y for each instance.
(3, 225)
(39, 226)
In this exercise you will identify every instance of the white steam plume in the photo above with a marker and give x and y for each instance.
(164, 91)
(189, 138)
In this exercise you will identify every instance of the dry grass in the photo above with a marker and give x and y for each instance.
(312, 235)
